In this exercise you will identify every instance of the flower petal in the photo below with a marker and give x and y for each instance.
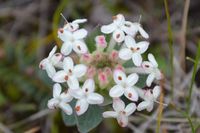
(118, 105)
(56, 90)
(156, 91)
(130, 42)
(80, 34)
(137, 59)
(125, 54)
(71, 27)
(143, 105)
(95, 98)
(122, 120)
(81, 106)
(109, 114)
(150, 79)
(78, 93)
(152, 59)
(147, 64)
(118, 36)
(107, 29)
(143, 46)
(116, 91)
(80, 47)
(143, 33)
(73, 82)
(66, 48)
(64, 35)
(79, 21)
(126, 28)
(50, 70)
(68, 65)
(119, 20)
(88, 86)
(158, 74)
(130, 108)
(43, 63)
(141, 92)
(52, 52)
(150, 107)
(66, 97)
(130, 28)
(119, 77)
(66, 108)
(59, 64)
(131, 94)
(53, 103)
(132, 79)
(56, 59)
(80, 70)
(59, 77)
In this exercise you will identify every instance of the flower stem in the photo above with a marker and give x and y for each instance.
(112, 44)
(164, 104)
(138, 70)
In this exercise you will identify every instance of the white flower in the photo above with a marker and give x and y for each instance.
(52, 61)
(118, 27)
(73, 40)
(151, 67)
(133, 50)
(134, 28)
(125, 85)
(74, 25)
(121, 113)
(70, 73)
(149, 97)
(86, 96)
(60, 100)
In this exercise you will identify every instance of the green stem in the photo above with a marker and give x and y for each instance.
(185, 115)
(111, 45)
(193, 76)
(170, 41)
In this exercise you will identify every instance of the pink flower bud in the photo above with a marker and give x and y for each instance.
(101, 41)
(86, 58)
(108, 71)
(114, 55)
(98, 56)
(91, 71)
(119, 67)
(103, 78)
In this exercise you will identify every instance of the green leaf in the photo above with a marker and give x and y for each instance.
(107, 99)
(70, 120)
(90, 119)
(142, 81)
(86, 122)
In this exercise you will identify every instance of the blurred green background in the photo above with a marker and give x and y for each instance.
(28, 31)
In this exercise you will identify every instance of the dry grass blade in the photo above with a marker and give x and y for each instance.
(193, 77)
(160, 109)
(170, 40)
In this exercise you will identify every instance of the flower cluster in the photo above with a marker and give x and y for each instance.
(87, 73)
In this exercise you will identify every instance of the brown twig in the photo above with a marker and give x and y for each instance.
(31, 118)
(4, 129)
